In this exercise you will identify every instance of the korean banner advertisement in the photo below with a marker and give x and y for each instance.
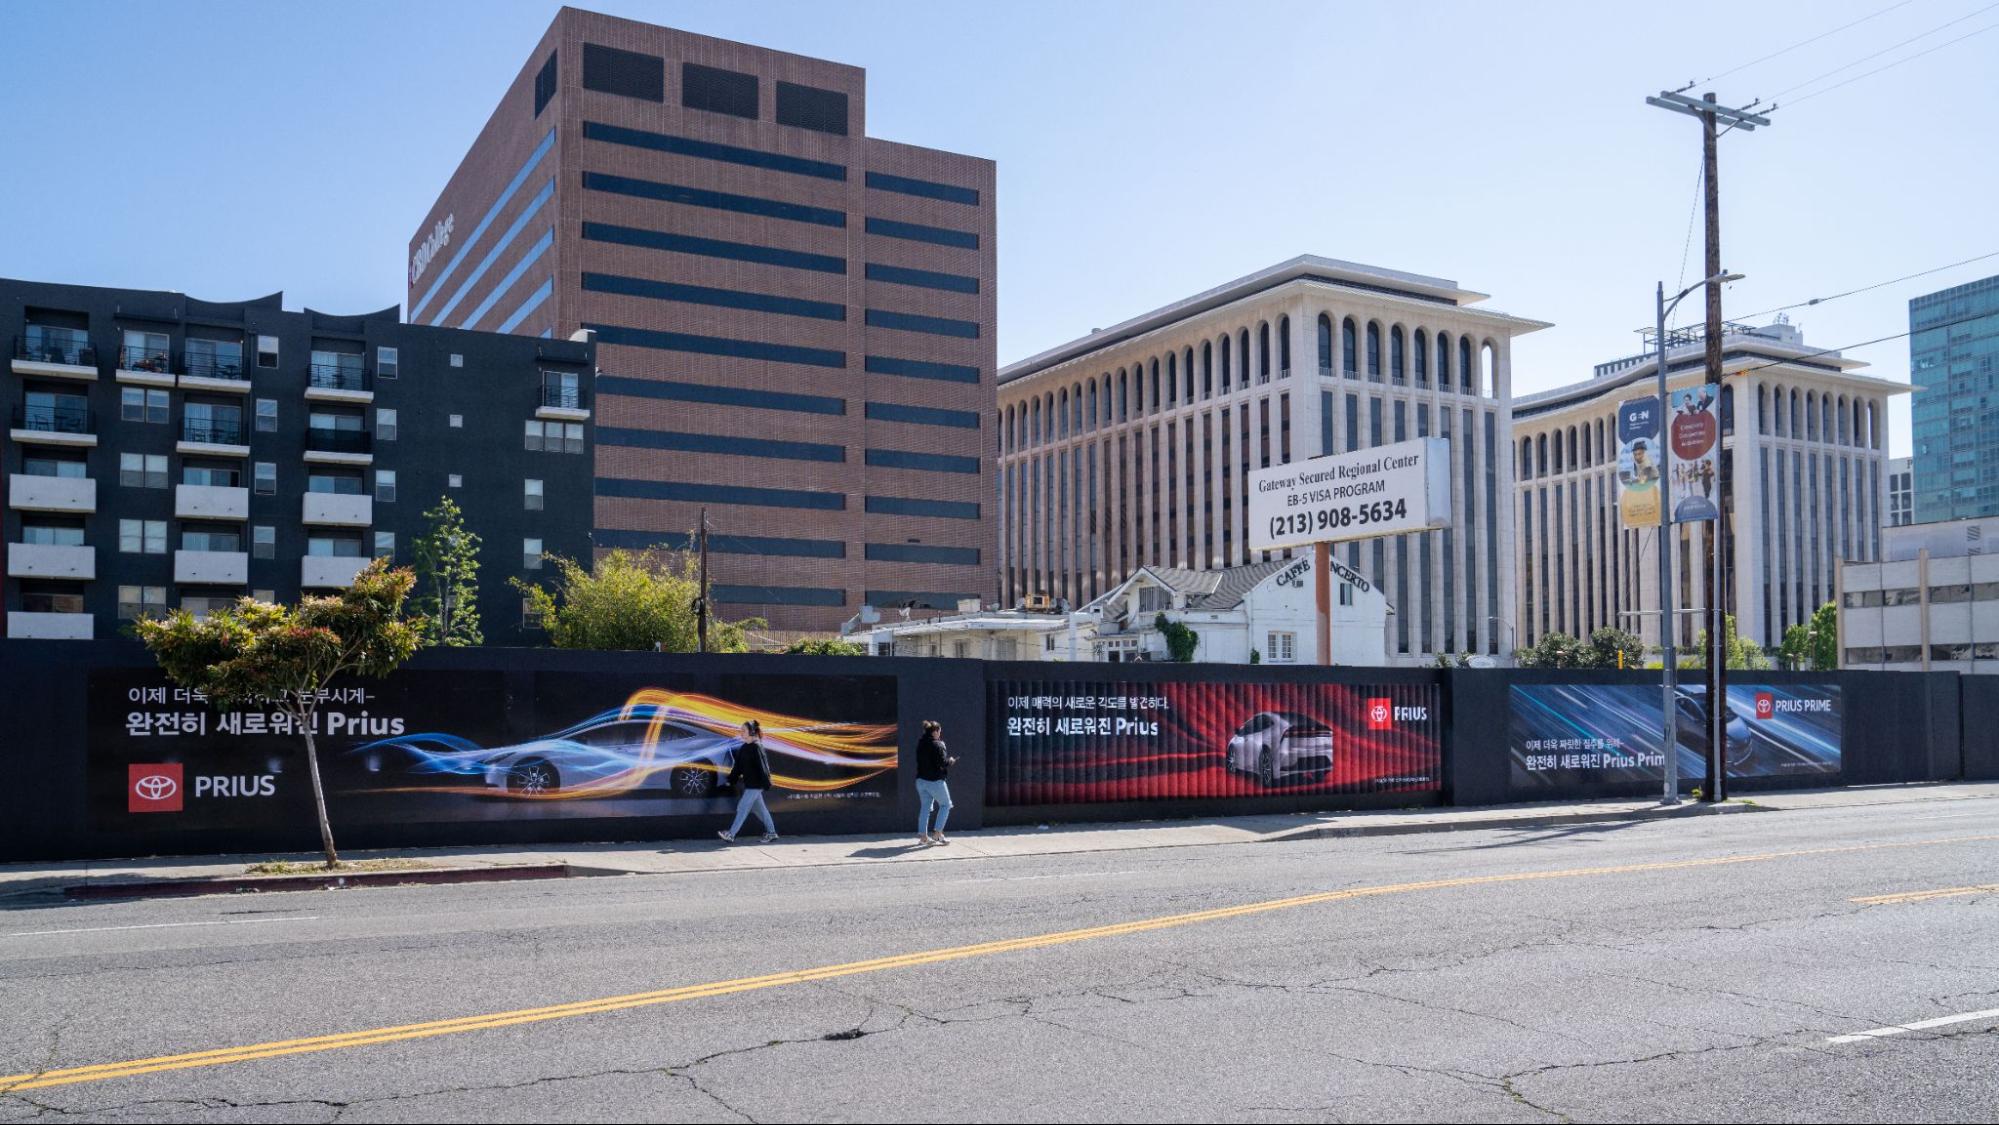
(1638, 463)
(436, 748)
(1694, 429)
(1577, 736)
(1064, 742)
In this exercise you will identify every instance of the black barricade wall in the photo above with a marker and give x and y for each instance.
(479, 746)
(1979, 731)
(443, 752)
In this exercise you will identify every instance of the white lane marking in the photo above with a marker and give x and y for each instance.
(167, 926)
(1919, 1025)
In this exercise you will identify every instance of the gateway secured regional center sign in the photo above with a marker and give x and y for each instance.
(1386, 490)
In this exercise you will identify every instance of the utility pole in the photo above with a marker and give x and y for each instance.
(1712, 114)
(701, 599)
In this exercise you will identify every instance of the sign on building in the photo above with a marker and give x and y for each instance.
(1695, 431)
(1386, 490)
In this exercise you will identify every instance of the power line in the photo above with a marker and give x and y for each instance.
(1886, 50)
(1896, 63)
(1813, 39)
(1869, 288)
(1861, 344)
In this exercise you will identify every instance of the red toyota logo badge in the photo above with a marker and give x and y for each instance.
(153, 788)
(1766, 705)
(1380, 714)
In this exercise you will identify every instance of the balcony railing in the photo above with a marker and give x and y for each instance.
(568, 398)
(339, 441)
(54, 419)
(215, 366)
(333, 377)
(55, 345)
(213, 433)
(156, 360)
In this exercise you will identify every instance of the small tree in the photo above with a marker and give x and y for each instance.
(1746, 655)
(1180, 640)
(1791, 654)
(826, 647)
(287, 656)
(446, 604)
(1822, 647)
(629, 600)
(1553, 650)
(1615, 648)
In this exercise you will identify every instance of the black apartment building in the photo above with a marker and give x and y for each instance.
(166, 452)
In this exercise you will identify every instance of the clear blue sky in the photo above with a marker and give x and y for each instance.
(1146, 150)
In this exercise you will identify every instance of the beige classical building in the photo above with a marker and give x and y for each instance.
(1131, 446)
(1803, 436)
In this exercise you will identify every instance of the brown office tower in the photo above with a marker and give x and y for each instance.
(794, 320)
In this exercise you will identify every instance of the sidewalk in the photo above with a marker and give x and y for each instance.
(667, 857)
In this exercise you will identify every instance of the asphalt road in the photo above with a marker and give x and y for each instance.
(1696, 970)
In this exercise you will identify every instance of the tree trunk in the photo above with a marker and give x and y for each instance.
(318, 792)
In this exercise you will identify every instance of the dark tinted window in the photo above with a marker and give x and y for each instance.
(922, 600)
(929, 189)
(544, 85)
(925, 462)
(715, 248)
(922, 369)
(777, 595)
(915, 552)
(628, 73)
(934, 325)
(918, 232)
(726, 396)
(809, 107)
(909, 506)
(722, 544)
(732, 444)
(724, 494)
(717, 90)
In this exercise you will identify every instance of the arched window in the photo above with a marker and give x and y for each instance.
(1207, 369)
(1263, 352)
(1154, 400)
(1873, 426)
(1187, 366)
(1325, 344)
(1811, 416)
(1795, 420)
(1347, 345)
(1526, 458)
(1062, 413)
(1283, 346)
(1172, 380)
(1489, 378)
(1826, 423)
(1467, 377)
(1762, 409)
(1123, 398)
(1443, 362)
(1225, 364)
(1575, 462)
(1398, 367)
(1095, 418)
(1422, 357)
(1727, 409)
(1034, 424)
(1602, 450)
(1373, 352)
(1541, 455)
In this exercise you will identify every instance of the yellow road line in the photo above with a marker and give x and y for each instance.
(1925, 896)
(373, 1036)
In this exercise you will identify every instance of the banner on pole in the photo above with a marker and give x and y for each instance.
(1694, 428)
(1638, 484)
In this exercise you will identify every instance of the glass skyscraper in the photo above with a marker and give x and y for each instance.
(1954, 364)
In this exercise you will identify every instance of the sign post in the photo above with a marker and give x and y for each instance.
(1363, 494)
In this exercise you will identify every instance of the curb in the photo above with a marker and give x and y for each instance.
(1553, 820)
(258, 884)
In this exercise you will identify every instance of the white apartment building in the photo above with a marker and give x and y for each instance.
(1930, 605)
(1131, 446)
(1803, 437)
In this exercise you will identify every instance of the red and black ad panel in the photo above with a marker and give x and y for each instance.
(1061, 742)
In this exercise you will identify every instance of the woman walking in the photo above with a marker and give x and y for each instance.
(933, 788)
(752, 772)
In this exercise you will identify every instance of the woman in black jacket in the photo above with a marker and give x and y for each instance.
(752, 772)
(933, 788)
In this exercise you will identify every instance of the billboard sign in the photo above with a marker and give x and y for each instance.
(1580, 738)
(1386, 490)
(1063, 742)
(424, 748)
(1638, 463)
(1694, 429)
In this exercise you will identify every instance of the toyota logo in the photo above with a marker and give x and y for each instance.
(1379, 713)
(155, 787)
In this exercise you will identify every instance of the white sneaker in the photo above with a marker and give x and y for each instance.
(938, 838)
(726, 838)
(770, 837)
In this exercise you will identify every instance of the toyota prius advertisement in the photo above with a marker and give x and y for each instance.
(1579, 737)
(427, 747)
(1068, 742)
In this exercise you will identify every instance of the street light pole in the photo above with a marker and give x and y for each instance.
(1668, 620)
